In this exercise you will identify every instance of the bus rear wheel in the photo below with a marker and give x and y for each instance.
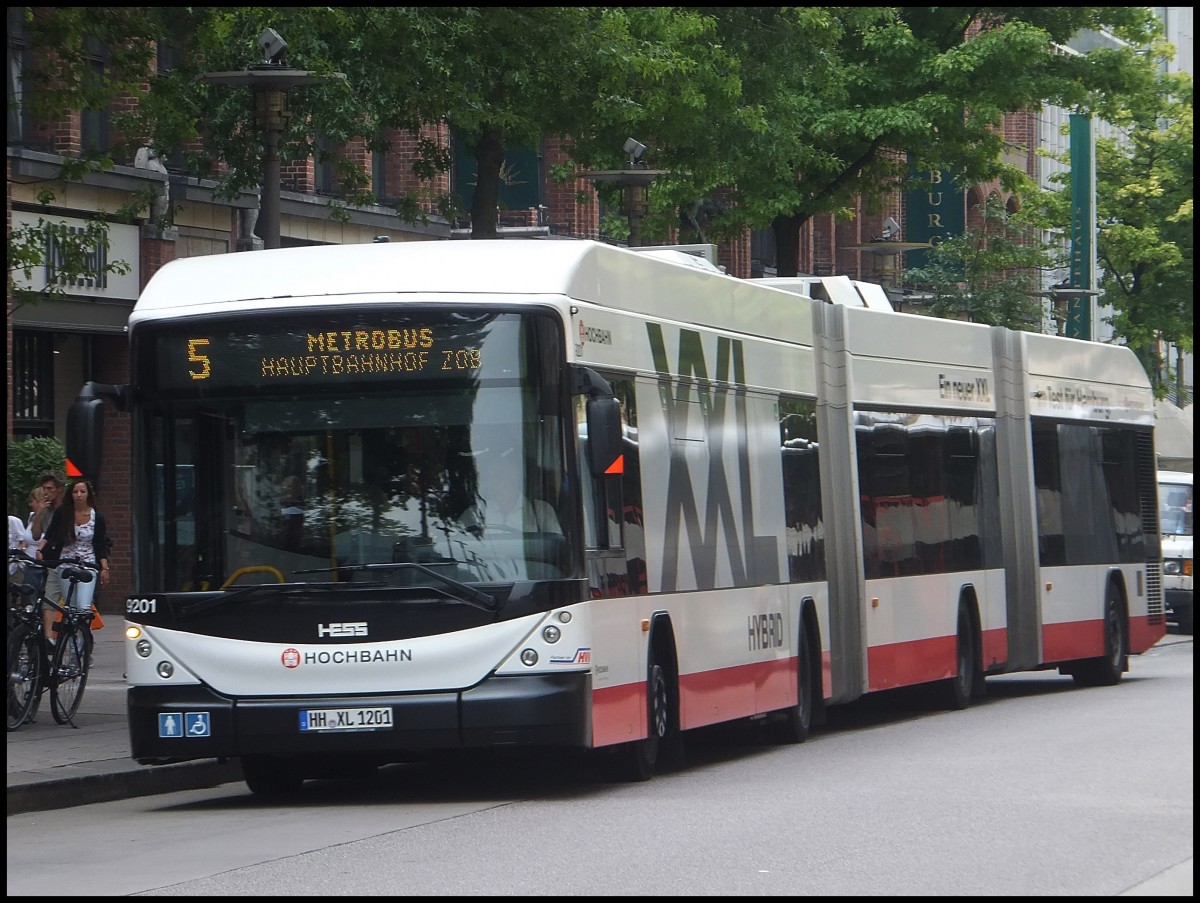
(958, 690)
(1106, 670)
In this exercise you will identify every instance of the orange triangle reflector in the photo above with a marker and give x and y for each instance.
(617, 466)
(72, 470)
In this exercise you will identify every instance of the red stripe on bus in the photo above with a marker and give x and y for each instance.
(618, 714)
(1073, 639)
(708, 697)
(912, 662)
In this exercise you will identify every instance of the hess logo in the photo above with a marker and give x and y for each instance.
(345, 628)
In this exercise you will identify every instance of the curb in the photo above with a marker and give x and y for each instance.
(103, 788)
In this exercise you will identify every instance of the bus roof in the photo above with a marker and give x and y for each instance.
(584, 271)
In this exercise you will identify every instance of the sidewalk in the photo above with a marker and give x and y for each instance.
(52, 766)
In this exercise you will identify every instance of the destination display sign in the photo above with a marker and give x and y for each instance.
(257, 354)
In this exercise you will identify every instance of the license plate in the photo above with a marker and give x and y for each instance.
(345, 720)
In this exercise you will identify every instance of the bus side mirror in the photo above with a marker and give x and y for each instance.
(605, 446)
(85, 433)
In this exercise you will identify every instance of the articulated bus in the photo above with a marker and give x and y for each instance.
(399, 498)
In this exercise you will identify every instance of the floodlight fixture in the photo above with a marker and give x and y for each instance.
(891, 229)
(272, 45)
(635, 149)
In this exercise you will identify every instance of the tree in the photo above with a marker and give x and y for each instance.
(1144, 215)
(990, 274)
(499, 77)
(53, 83)
(843, 97)
(786, 112)
(1144, 244)
(30, 457)
(661, 76)
(505, 77)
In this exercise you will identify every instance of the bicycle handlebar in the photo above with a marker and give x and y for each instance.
(26, 558)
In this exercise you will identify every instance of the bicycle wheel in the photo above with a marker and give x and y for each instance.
(24, 674)
(69, 671)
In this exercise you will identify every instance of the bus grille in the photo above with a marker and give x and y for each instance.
(1154, 596)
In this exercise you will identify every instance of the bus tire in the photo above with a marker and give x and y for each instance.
(271, 776)
(1106, 671)
(796, 722)
(957, 691)
(637, 761)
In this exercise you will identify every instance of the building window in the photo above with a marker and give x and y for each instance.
(323, 167)
(33, 383)
(762, 253)
(169, 59)
(18, 65)
(93, 124)
(379, 186)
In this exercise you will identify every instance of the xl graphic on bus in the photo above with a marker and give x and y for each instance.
(395, 498)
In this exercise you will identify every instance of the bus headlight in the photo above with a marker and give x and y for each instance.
(165, 670)
(1172, 567)
(529, 657)
(143, 647)
(551, 634)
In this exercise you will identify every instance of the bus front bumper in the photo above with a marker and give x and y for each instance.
(181, 723)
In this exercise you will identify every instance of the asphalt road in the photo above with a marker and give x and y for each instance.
(1042, 789)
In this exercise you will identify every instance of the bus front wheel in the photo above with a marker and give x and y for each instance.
(638, 760)
(795, 723)
(272, 776)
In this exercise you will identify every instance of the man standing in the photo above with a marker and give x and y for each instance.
(52, 487)
(52, 491)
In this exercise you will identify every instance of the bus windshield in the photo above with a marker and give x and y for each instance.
(1175, 508)
(254, 477)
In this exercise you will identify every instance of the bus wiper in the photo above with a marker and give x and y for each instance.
(462, 592)
(200, 606)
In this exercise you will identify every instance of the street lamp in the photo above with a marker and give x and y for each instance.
(633, 179)
(1073, 318)
(270, 80)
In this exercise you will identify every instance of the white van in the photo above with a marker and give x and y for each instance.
(1175, 524)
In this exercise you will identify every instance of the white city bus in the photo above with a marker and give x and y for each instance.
(482, 494)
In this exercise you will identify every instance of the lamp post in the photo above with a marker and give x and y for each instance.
(270, 81)
(889, 249)
(1072, 316)
(633, 179)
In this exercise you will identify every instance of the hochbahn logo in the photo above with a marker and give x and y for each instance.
(293, 658)
(594, 335)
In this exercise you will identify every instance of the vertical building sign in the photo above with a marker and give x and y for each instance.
(1083, 228)
(936, 211)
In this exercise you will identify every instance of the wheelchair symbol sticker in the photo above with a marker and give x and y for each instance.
(198, 724)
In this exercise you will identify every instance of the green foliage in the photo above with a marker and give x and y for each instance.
(842, 96)
(1144, 240)
(990, 274)
(29, 458)
(62, 77)
(792, 111)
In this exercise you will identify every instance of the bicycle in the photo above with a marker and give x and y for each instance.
(27, 664)
(72, 658)
(66, 673)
